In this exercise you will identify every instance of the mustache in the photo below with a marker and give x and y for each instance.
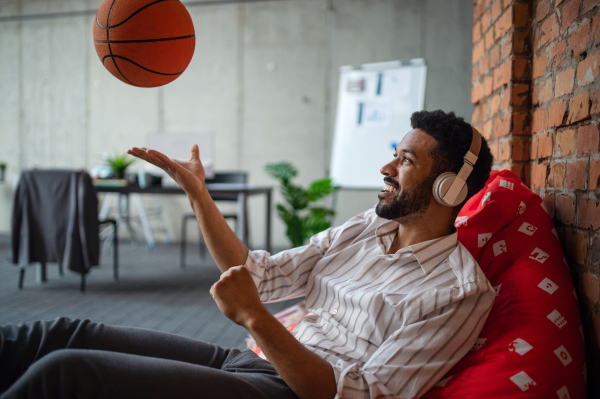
(391, 181)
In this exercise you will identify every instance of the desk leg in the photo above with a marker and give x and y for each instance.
(268, 227)
(126, 216)
(139, 204)
(242, 232)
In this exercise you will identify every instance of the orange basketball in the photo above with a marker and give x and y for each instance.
(144, 43)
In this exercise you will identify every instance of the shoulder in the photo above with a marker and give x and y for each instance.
(464, 266)
(360, 226)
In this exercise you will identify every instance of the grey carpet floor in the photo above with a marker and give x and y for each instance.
(152, 292)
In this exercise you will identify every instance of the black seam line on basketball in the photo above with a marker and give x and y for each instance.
(145, 40)
(129, 17)
(109, 48)
(135, 63)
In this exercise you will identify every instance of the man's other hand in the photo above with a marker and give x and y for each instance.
(189, 175)
(237, 296)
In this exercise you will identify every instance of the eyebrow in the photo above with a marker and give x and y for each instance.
(409, 151)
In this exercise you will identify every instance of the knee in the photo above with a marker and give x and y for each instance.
(61, 360)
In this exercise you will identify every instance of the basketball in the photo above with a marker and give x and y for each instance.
(144, 43)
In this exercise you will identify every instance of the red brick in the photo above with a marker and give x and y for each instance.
(504, 23)
(520, 94)
(475, 72)
(504, 151)
(502, 74)
(540, 120)
(505, 103)
(594, 175)
(570, 12)
(538, 179)
(494, 149)
(587, 139)
(579, 39)
(589, 288)
(557, 113)
(579, 108)
(485, 21)
(565, 209)
(478, 10)
(557, 175)
(520, 68)
(496, 9)
(588, 5)
(557, 3)
(534, 144)
(564, 82)
(576, 175)
(494, 56)
(596, 103)
(521, 123)
(545, 146)
(478, 51)
(521, 14)
(476, 93)
(558, 51)
(549, 29)
(577, 246)
(565, 143)
(596, 27)
(523, 171)
(506, 46)
(476, 32)
(520, 149)
(545, 91)
(502, 126)
(487, 129)
(488, 86)
(488, 39)
(539, 65)
(484, 110)
(521, 42)
(589, 214)
(484, 65)
(548, 201)
(494, 104)
(588, 69)
(542, 10)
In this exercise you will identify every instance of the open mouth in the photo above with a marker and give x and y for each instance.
(389, 188)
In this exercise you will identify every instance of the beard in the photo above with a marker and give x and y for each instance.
(406, 202)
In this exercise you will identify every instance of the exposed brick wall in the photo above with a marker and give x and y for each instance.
(565, 144)
(541, 116)
(501, 81)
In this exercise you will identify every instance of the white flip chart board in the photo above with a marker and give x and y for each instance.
(375, 102)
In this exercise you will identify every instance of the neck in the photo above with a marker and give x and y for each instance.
(435, 222)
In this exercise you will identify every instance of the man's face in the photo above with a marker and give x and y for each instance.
(408, 178)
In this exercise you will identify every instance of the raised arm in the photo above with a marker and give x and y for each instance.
(225, 247)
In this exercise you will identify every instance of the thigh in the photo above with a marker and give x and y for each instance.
(22, 345)
(102, 374)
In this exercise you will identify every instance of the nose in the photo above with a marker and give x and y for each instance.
(389, 169)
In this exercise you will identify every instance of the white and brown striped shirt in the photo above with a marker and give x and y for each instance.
(390, 325)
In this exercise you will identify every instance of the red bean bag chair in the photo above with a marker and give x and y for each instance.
(532, 343)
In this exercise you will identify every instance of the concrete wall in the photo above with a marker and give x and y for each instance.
(263, 79)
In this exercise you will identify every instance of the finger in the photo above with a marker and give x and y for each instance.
(165, 159)
(139, 153)
(194, 153)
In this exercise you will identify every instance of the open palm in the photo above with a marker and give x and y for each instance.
(189, 175)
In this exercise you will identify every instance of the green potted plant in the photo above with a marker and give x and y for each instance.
(2, 171)
(302, 218)
(118, 164)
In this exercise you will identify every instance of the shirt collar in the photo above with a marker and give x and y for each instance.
(429, 254)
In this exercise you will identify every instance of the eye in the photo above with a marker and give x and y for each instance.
(405, 159)
(395, 155)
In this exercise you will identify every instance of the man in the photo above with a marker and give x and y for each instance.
(395, 300)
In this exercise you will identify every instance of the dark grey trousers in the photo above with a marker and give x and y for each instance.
(66, 358)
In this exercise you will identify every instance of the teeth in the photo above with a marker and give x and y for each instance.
(389, 188)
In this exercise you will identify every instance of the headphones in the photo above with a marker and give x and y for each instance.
(450, 189)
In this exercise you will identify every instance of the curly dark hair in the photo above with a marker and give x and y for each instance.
(454, 137)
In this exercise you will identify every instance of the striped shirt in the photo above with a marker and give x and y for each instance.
(390, 325)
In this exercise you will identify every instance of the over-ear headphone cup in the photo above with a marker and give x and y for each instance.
(442, 185)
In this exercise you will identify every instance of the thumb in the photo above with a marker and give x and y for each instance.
(194, 153)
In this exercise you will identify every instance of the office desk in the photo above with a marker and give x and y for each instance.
(218, 192)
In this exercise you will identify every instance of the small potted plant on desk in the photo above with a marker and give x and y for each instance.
(2, 171)
(301, 217)
(118, 164)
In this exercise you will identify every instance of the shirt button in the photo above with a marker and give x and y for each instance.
(334, 312)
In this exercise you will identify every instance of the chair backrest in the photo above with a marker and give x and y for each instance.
(229, 177)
